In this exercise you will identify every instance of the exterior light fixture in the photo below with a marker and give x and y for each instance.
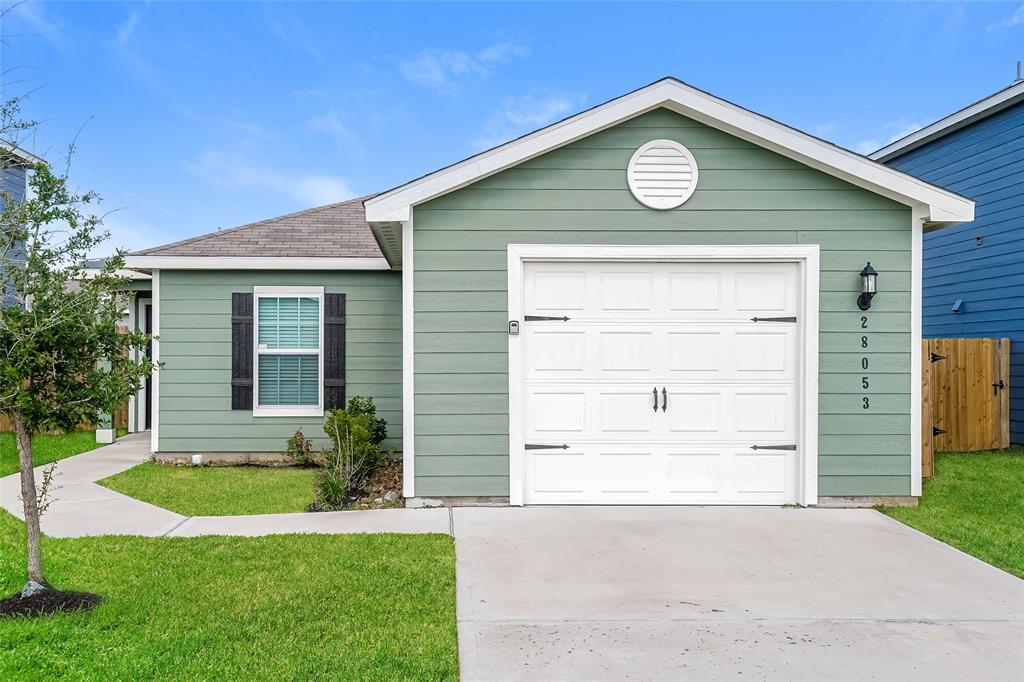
(868, 287)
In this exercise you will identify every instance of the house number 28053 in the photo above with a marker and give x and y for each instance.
(865, 380)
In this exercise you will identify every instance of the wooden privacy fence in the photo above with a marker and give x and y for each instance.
(120, 420)
(965, 396)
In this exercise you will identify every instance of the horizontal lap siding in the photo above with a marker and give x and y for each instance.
(195, 347)
(984, 161)
(578, 195)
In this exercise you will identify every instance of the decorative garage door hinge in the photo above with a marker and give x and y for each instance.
(773, 447)
(936, 431)
(773, 319)
(537, 318)
(542, 446)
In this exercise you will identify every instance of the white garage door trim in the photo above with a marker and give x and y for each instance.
(805, 256)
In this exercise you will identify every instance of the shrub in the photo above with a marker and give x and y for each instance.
(300, 449)
(356, 434)
(378, 427)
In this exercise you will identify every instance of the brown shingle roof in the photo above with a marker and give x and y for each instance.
(333, 231)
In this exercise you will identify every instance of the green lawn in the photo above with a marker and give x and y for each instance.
(975, 502)
(286, 607)
(46, 448)
(217, 491)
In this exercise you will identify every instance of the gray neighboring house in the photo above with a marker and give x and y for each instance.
(664, 299)
(14, 166)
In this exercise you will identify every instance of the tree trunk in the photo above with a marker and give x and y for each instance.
(28, 497)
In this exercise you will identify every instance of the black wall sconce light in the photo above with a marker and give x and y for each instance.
(868, 287)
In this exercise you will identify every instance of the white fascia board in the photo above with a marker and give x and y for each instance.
(980, 109)
(253, 263)
(16, 151)
(941, 205)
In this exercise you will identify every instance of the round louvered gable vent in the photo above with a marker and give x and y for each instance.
(662, 174)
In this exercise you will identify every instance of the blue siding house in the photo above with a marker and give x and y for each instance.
(974, 272)
(14, 165)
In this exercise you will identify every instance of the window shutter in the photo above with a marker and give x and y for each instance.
(241, 351)
(334, 351)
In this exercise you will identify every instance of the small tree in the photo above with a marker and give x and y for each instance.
(63, 359)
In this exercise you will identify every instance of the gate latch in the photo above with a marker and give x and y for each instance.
(998, 386)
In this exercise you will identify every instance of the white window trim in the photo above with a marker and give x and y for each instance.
(806, 256)
(285, 410)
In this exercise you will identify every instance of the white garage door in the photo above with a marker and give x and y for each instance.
(660, 388)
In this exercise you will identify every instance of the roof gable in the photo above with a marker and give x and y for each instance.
(937, 206)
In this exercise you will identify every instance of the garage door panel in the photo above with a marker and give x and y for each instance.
(695, 292)
(761, 473)
(558, 412)
(560, 475)
(660, 474)
(625, 473)
(676, 336)
(556, 290)
(762, 292)
(556, 351)
(694, 412)
(695, 352)
(633, 291)
(626, 351)
(624, 411)
(694, 472)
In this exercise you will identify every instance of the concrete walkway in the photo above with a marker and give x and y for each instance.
(726, 593)
(82, 507)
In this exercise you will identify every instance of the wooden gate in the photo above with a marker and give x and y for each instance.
(965, 396)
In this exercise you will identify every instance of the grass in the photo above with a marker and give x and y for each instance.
(47, 448)
(975, 502)
(217, 491)
(286, 607)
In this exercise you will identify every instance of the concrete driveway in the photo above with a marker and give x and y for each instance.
(703, 593)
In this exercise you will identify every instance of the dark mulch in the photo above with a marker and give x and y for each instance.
(47, 602)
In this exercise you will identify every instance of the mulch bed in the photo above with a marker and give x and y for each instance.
(386, 478)
(46, 602)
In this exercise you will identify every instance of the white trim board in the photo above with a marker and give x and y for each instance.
(408, 369)
(975, 112)
(940, 206)
(154, 410)
(253, 263)
(807, 256)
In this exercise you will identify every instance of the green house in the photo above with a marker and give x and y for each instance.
(665, 299)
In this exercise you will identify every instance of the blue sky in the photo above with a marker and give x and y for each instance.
(201, 116)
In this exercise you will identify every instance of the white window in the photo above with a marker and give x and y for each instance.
(289, 337)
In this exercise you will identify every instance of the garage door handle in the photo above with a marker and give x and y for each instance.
(544, 446)
(664, 399)
(773, 447)
(655, 398)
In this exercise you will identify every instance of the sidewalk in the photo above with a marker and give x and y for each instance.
(81, 507)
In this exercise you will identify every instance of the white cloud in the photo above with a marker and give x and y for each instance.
(126, 30)
(1014, 19)
(444, 71)
(232, 168)
(895, 130)
(39, 22)
(519, 115)
(332, 124)
(824, 129)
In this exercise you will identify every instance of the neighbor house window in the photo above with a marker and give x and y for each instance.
(289, 341)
